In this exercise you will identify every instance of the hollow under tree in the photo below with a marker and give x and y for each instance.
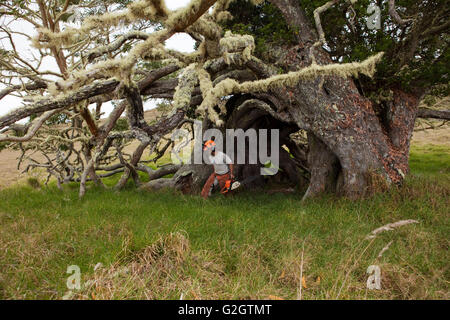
(355, 139)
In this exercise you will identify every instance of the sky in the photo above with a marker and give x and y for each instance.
(180, 41)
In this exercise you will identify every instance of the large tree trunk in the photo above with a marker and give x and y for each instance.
(324, 167)
(349, 143)
(337, 116)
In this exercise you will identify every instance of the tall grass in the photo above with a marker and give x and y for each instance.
(248, 246)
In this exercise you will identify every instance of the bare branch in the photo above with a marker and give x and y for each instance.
(32, 131)
(39, 84)
(113, 46)
(395, 16)
(433, 114)
(47, 104)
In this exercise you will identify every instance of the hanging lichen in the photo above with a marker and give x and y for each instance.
(144, 9)
(206, 87)
(186, 84)
(232, 43)
(231, 86)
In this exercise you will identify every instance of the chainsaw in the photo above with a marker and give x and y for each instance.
(232, 184)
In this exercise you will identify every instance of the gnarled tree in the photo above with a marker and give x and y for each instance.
(298, 66)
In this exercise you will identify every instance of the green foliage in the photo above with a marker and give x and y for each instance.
(263, 21)
(349, 38)
(121, 125)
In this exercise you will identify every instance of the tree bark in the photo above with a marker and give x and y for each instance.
(323, 166)
(348, 140)
(433, 114)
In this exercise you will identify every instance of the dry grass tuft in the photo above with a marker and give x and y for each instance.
(377, 183)
(34, 183)
(406, 284)
(152, 272)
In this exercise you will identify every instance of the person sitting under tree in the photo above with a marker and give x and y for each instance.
(223, 168)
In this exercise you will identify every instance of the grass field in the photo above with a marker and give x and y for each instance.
(249, 246)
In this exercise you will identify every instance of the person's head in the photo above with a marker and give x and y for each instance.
(210, 146)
